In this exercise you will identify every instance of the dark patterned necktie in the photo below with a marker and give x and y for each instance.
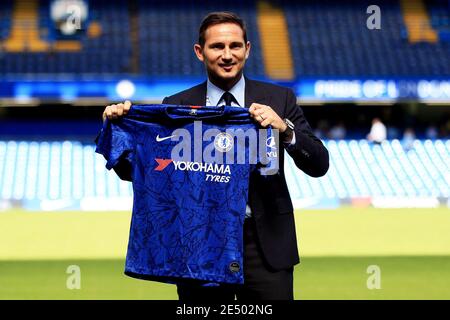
(228, 98)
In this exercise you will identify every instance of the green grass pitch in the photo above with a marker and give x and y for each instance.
(411, 248)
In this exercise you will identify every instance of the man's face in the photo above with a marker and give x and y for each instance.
(224, 52)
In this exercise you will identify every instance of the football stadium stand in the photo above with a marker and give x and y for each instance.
(164, 45)
(330, 38)
(70, 173)
(151, 38)
(322, 44)
(30, 46)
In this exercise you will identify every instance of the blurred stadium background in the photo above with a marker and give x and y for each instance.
(384, 204)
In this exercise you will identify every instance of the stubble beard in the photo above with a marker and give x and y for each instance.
(224, 83)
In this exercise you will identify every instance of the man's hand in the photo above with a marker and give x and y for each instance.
(267, 117)
(115, 111)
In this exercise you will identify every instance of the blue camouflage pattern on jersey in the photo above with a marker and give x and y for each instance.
(183, 227)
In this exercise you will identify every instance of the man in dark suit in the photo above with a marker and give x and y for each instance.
(270, 243)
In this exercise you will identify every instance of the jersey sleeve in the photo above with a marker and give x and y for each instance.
(116, 143)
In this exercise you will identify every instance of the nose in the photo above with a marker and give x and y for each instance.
(226, 54)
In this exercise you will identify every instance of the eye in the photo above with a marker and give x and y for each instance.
(217, 46)
(236, 45)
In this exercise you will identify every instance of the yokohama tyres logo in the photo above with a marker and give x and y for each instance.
(193, 166)
(162, 164)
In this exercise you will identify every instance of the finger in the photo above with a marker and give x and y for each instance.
(262, 115)
(266, 123)
(126, 106)
(108, 112)
(258, 105)
(114, 111)
(261, 119)
(254, 113)
(256, 118)
(120, 108)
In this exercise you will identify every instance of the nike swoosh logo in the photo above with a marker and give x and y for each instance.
(158, 139)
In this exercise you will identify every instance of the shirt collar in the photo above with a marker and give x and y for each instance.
(214, 93)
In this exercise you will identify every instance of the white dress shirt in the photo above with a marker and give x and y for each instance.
(214, 93)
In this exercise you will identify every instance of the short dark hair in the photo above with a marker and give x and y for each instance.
(214, 18)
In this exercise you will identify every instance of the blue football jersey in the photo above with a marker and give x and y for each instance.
(190, 172)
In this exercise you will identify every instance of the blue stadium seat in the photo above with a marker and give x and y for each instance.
(327, 40)
(62, 170)
(332, 40)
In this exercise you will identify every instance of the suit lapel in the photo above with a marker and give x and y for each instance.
(196, 96)
(252, 94)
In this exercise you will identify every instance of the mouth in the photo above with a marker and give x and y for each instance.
(227, 67)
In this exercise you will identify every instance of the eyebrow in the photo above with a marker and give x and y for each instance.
(221, 44)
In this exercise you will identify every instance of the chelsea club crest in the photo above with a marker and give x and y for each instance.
(223, 142)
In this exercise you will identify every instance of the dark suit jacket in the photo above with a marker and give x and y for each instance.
(269, 198)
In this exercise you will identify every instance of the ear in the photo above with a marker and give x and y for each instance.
(248, 45)
(199, 52)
